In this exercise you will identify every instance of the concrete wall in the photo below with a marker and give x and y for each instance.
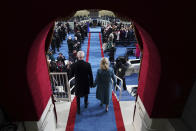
(47, 121)
(142, 121)
(189, 114)
(2, 117)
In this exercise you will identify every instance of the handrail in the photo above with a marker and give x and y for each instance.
(119, 87)
(116, 86)
(70, 83)
(70, 88)
(54, 79)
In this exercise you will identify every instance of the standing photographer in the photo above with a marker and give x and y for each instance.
(120, 69)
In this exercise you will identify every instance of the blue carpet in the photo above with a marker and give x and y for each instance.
(125, 96)
(97, 29)
(132, 79)
(95, 57)
(121, 51)
(94, 118)
(95, 114)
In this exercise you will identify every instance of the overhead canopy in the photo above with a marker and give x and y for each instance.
(106, 12)
(82, 13)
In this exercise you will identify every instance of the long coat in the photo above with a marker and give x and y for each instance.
(83, 76)
(104, 85)
(70, 45)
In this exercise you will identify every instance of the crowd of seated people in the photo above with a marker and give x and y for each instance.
(58, 65)
(61, 64)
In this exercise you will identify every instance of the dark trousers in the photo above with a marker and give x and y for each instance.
(78, 101)
(124, 84)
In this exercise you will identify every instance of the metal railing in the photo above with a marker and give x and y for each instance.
(119, 87)
(71, 88)
(60, 86)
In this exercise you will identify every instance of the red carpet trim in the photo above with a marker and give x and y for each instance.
(119, 121)
(101, 45)
(87, 54)
(72, 116)
(73, 108)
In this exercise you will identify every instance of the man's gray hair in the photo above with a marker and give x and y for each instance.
(80, 54)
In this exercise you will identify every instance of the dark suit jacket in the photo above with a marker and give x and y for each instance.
(84, 77)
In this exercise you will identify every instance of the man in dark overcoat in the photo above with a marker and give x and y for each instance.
(70, 45)
(84, 79)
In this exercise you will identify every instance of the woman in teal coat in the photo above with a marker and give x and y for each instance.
(104, 83)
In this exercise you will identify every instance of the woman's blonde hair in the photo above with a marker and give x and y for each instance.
(104, 63)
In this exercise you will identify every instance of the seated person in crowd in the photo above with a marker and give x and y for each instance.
(52, 66)
(60, 66)
(50, 55)
(61, 58)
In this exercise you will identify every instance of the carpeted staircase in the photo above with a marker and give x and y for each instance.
(95, 118)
